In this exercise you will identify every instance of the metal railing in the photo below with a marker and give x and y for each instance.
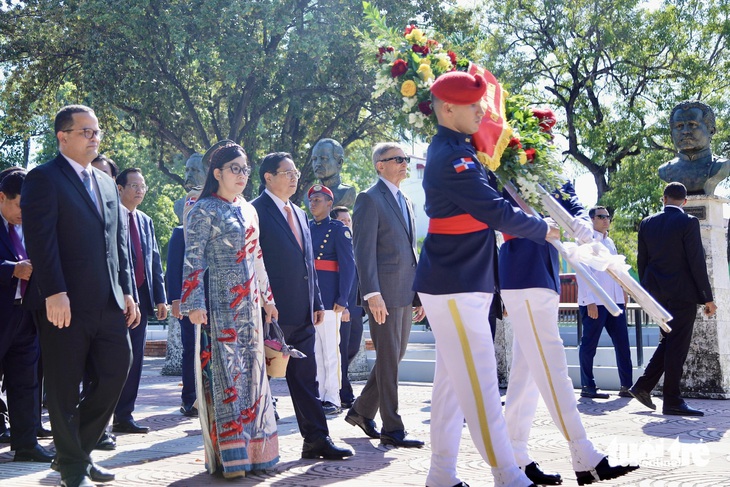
(569, 314)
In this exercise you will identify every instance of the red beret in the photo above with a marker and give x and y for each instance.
(459, 88)
(320, 188)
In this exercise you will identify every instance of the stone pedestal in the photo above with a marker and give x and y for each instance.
(173, 356)
(707, 369)
(503, 350)
(358, 369)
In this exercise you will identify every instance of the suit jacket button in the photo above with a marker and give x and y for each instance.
(306, 278)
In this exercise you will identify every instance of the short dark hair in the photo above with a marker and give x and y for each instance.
(11, 181)
(708, 115)
(270, 164)
(122, 177)
(335, 212)
(112, 165)
(592, 211)
(64, 118)
(675, 191)
(218, 159)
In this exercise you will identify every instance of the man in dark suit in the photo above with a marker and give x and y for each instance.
(173, 283)
(671, 264)
(385, 255)
(80, 291)
(19, 350)
(150, 283)
(288, 255)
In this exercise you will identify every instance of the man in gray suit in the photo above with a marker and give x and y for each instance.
(385, 256)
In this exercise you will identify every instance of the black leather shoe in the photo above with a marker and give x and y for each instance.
(399, 438)
(77, 481)
(603, 471)
(130, 426)
(593, 393)
(5, 436)
(100, 474)
(44, 433)
(681, 410)
(346, 404)
(536, 475)
(367, 425)
(642, 396)
(324, 448)
(35, 454)
(624, 392)
(107, 442)
(189, 412)
(330, 409)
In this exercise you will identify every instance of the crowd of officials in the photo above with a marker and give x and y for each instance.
(81, 273)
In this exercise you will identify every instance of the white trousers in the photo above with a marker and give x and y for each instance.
(539, 367)
(465, 386)
(327, 356)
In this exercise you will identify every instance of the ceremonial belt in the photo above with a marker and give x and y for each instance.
(456, 225)
(507, 237)
(326, 265)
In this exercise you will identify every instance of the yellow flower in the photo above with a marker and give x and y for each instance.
(523, 156)
(416, 36)
(426, 61)
(424, 71)
(408, 88)
(443, 64)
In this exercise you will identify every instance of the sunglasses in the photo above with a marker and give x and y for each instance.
(397, 159)
(603, 217)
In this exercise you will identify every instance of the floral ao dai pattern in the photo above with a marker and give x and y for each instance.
(237, 416)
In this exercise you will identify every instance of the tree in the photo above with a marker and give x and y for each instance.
(271, 75)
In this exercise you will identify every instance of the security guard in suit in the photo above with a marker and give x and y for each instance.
(335, 266)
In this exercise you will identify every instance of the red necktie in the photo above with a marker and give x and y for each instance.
(293, 226)
(137, 248)
(19, 253)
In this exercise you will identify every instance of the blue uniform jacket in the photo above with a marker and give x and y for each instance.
(455, 183)
(332, 241)
(524, 264)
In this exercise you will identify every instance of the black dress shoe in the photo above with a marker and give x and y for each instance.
(346, 404)
(44, 433)
(330, 409)
(100, 474)
(536, 475)
(77, 481)
(106, 442)
(399, 438)
(642, 396)
(603, 471)
(592, 393)
(35, 454)
(681, 410)
(189, 412)
(5, 436)
(367, 425)
(624, 392)
(130, 426)
(324, 448)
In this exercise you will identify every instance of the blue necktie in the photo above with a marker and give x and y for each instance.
(90, 188)
(404, 211)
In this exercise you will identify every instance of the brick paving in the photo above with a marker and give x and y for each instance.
(673, 451)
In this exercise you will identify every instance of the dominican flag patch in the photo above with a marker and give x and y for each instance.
(463, 164)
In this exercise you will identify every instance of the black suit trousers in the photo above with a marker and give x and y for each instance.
(97, 340)
(670, 354)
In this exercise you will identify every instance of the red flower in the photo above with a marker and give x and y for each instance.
(515, 143)
(530, 153)
(422, 50)
(381, 51)
(546, 117)
(432, 43)
(409, 29)
(452, 56)
(425, 107)
(399, 68)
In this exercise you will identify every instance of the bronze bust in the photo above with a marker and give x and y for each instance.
(327, 159)
(692, 125)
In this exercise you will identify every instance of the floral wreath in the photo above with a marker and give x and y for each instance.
(407, 63)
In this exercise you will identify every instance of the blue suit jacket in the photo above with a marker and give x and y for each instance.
(291, 270)
(8, 283)
(152, 261)
(175, 259)
(73, 248)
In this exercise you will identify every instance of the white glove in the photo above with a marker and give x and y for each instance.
(582, 230)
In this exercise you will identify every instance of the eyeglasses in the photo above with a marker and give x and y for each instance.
(89, 133)
(236, 169)
(138, 187)
(397, 159)
(290, 174)
(603, 217)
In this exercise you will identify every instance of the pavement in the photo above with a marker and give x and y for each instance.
(672, 451)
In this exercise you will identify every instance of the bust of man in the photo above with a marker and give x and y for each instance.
(693, 124)
(195, 172)
(327, 159)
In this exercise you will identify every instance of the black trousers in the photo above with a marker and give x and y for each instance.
(97, 339)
